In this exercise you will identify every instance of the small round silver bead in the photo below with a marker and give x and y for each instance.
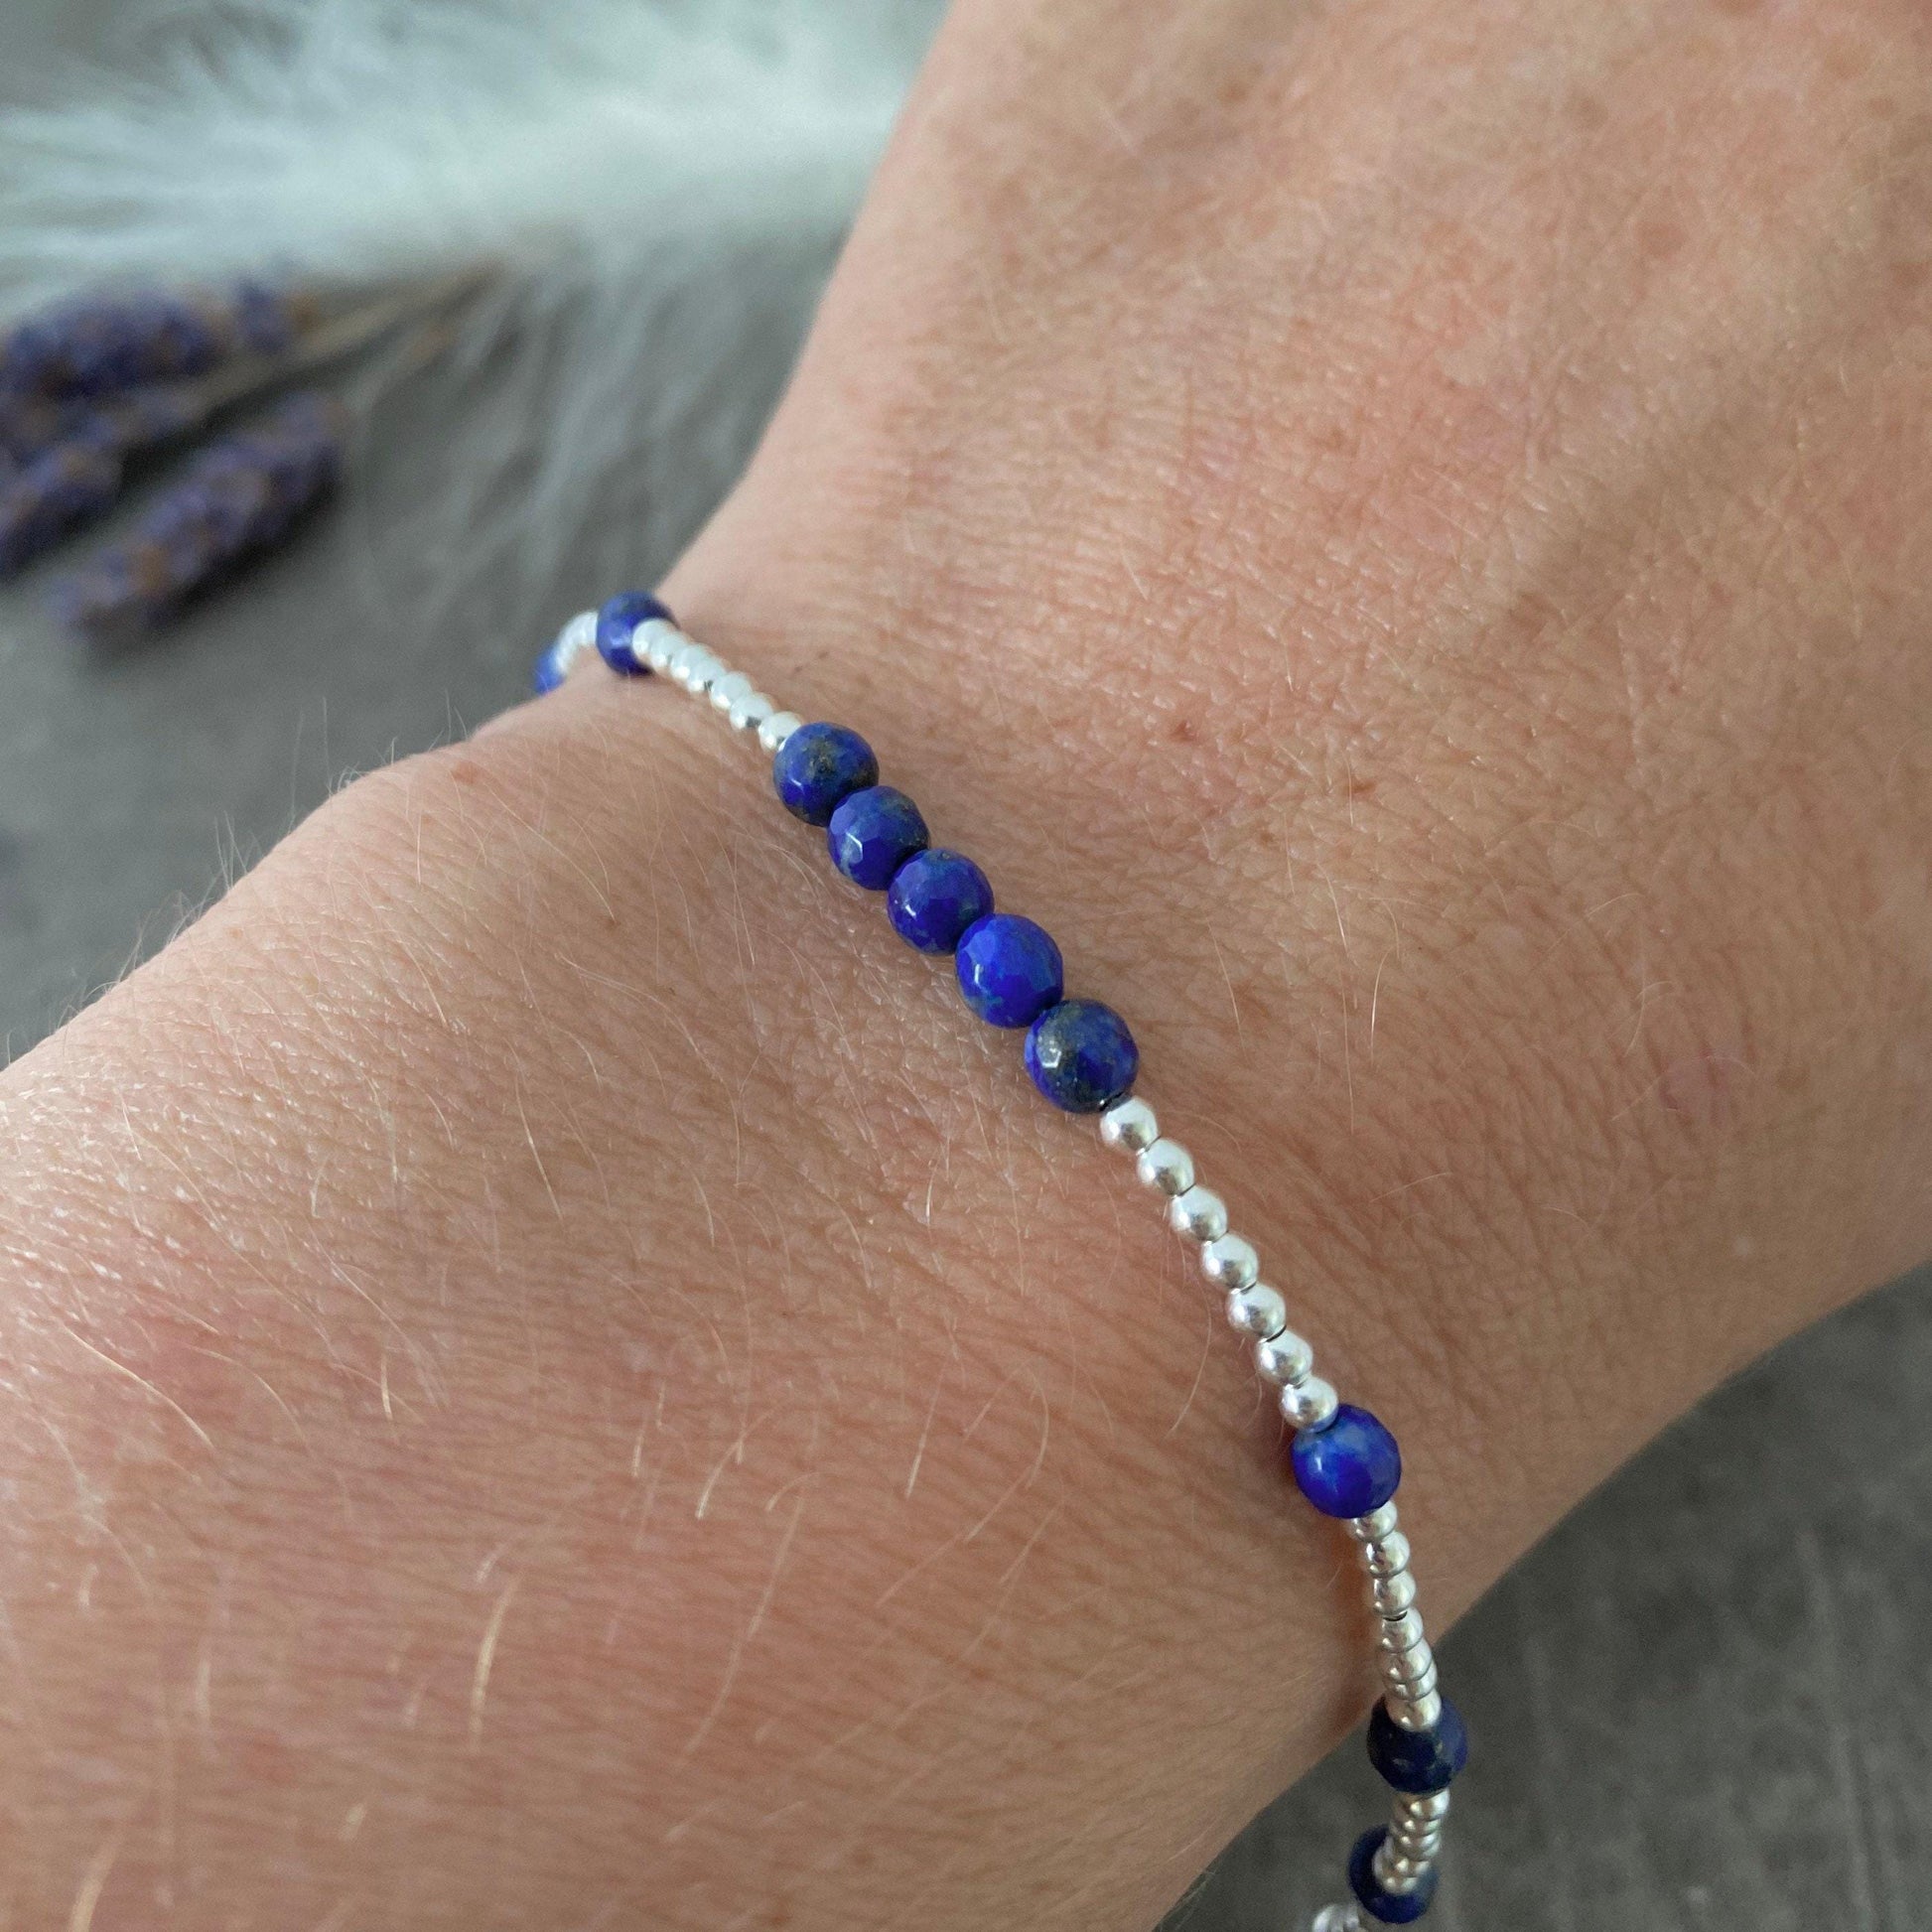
(653, 641)
(1386, 1554)
(1231, 1261)
(1286, 1358)
(1374, 1526)
(776, 729)
(576, 637)
(1400, 1632)
(1166, 1166)
(1394, 1595)
(727, 691)
(1308, 1403)
(1423, 1807)
(750, 711)
(700, 670)
(1337, 1918)
(1422, 1712)
(1257, 1310)
(1130, 1125)
(1199, 1213)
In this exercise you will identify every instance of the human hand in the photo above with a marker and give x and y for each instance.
(560, 1379)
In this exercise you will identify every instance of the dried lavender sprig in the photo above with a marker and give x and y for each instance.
(100, 345)
(236, 498)
(78, 477)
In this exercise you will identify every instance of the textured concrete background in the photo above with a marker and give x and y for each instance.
(1701, 1704)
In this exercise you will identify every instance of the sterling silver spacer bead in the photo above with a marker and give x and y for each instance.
(776, 729)
(1129, 1125)
(577, 636)
(1284, 1359)
(698, 670)
(1400, 1632)
(1167, 1167)
(750, 711)
(727, 691)
(1377, 1524)
(1199, 1213)
(1257, 1310)
(1337, 1918)
(1231, 1261)
(1386, 1554)
(1394, 1595)
(1306, 1405)
(1422, 1712)
(653, 641)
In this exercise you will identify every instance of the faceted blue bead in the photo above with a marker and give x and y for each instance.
(548, 671)
(934, 896)
(1391, 1907)
(616, 618)
(817, 766)
(1419, 1761)
(1008, 970)
(1081, 1055)
(872, 833)
(1348, 1465)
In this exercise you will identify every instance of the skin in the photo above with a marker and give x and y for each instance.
(554, 1377)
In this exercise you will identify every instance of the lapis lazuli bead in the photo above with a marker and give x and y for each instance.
(548, 671)
(1008, 970)
(616, 618)
(1390, 1908)
(1081, 1055)
(1348, 1465)
(872, 833)
(818, 766)
(934, 896)
(1419, 1761)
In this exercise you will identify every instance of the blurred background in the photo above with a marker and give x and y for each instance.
(1703, 1702)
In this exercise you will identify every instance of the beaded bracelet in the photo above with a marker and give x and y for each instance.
(1083, 1058)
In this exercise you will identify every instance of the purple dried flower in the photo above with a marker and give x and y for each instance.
(103, 344)
(236, 499)
(62, 464)
(56, 492)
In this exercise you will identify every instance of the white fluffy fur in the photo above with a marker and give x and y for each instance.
(658, 180)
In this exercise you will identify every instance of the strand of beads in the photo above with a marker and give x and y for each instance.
(1083, 1058)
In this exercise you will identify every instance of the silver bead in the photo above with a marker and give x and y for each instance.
(1284, 1359)
(750, 711)
(1167, 1167)
(1423, 1807)
(1199, 1213)
(1231, 1261)
(1394, 1595)
(1308, 1405)
(653, 642)
(776, 729)
(700, 670)
(1129, 1124)
(1371, 1528)
(574, 638)
(1409, 1687)
(1399, 1632)
(1259, 1312)
(1337, 1918)
(1386, 1554)
(1422, 1712)
(727, 691)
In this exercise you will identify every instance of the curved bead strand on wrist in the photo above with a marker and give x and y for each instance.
(1080, 1055)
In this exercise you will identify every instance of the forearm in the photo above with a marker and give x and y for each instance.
(558, 1369)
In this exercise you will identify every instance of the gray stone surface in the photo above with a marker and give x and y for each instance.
(1701, 1704)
